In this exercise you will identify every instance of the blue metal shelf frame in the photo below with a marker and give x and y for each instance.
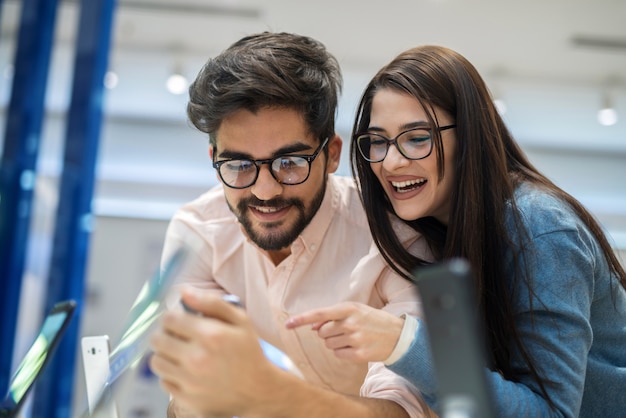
(53, 393)
(1, 4)
(18, 164)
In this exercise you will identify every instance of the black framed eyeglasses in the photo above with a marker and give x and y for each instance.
(413, 144)
(286, 169)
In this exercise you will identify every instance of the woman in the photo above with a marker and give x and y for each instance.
(433, 156)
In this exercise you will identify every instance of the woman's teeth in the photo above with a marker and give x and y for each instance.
(407, 186)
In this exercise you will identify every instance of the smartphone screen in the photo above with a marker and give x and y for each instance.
(37, 356)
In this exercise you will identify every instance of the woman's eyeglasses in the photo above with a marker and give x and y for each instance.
(413, 144)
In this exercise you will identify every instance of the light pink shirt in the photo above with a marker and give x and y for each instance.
(332, 261)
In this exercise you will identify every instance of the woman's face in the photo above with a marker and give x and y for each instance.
(412, 186)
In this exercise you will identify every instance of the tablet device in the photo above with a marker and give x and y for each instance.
(133, 344)
(37, 357)
(456, 339)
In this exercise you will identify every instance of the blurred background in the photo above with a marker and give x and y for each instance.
(557, 69)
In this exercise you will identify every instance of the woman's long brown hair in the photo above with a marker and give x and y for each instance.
(489, 165)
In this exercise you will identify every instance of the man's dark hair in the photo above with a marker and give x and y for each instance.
(268, 70)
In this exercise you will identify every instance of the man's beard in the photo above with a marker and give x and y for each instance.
(276, 240)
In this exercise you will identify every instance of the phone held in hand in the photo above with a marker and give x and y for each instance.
(275, 355)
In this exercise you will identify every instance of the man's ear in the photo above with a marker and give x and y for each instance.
(211, 151)
(334, 153)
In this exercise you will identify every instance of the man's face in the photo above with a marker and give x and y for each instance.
(273, 214)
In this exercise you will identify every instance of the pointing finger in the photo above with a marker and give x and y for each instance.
(317, 317)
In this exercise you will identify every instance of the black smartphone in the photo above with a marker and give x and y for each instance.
(37, 357)
(456, 339)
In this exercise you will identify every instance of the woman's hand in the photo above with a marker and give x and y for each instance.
(354, 331)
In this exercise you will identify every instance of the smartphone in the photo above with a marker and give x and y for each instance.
(274, 354)
(96, 350)
(456, 339)
(37, 357)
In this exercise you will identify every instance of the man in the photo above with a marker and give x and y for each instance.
(283, 234)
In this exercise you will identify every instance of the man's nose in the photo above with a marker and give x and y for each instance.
(266, 186)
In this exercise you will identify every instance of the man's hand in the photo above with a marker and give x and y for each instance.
(212, 364)
(214, 367)
(174, 411)
(354, 331)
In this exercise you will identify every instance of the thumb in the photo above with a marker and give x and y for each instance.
(211, 304)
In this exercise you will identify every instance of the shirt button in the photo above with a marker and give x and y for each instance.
(313, 247)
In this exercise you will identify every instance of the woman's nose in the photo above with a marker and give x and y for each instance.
(394, 159)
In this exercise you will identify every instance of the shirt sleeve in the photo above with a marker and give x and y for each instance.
(184, 230)
(380, 382)
(404, 342)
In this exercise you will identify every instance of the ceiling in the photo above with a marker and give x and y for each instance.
(551, 61)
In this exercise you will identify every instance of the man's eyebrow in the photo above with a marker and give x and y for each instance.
(297, 147)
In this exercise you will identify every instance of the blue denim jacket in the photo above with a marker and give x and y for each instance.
(578, 337)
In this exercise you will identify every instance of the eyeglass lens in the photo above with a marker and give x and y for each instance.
(286, 170)
(414, 144)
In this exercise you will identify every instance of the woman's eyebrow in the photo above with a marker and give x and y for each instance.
(404, 127)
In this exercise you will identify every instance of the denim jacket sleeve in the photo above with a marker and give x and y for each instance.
(563, 262)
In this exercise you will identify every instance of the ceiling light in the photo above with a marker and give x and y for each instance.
(607, 115)
(111, 79)
(177, 83)
(500, 106)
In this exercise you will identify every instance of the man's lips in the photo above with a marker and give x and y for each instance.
(269, 213)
